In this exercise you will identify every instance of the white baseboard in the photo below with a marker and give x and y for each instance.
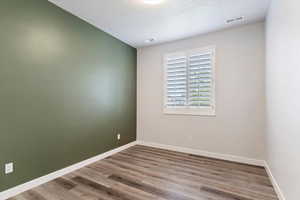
(238, 159)
(227, 157)
(274, 182)
(44, 179)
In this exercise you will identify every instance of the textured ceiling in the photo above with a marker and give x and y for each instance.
(133, 21)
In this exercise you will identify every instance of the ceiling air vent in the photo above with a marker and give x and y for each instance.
(234, 20)
(150, 40)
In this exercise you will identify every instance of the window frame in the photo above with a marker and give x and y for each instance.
(190, 110)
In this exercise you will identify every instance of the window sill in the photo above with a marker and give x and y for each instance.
(194, 112)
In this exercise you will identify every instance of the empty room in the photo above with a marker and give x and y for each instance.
(149, 100)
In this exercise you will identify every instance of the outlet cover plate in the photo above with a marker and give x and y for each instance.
(9, 168)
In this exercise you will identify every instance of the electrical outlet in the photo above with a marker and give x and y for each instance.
(9, 168)
(119, 136)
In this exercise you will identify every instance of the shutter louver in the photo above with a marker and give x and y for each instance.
(176, 81)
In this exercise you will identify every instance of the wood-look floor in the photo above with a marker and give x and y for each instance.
(144, 173)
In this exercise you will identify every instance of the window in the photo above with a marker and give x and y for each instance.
(189, 82)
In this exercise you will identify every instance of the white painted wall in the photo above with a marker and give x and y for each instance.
(283, 95)
(238, 129)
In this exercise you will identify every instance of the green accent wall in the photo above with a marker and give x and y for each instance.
(66, 88)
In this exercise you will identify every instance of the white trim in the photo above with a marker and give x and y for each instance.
(227, 157)
(274, 183)
(44, 179)
(209, 112)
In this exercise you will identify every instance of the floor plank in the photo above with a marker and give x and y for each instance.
(146, 173)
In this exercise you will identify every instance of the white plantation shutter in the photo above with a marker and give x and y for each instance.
(176, 81)
(189, 82)
(200, 79)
